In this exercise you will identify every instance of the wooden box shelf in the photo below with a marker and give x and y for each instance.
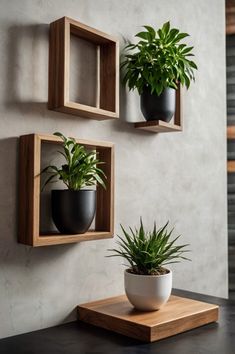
(177, 316)
(107, 90)
(158, 126)
(29, 193)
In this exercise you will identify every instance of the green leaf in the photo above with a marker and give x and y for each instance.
(151, 31)
(193, 65)
(187, 50)
(180, 36)
(143, 35)
(165, 28)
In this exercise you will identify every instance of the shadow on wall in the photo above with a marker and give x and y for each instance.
(8, 190)
(31, 263)
(27, 72)
(27, 65)
(9, 204)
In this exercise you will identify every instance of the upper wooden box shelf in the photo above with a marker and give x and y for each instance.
(158, 126)
(107, 85)
(29, 193)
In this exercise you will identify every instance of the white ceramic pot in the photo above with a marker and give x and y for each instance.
(148, 292)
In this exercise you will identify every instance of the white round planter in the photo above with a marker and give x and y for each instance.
(148, 292)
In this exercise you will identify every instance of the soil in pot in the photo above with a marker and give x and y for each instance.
(73, 211)
(154, 107)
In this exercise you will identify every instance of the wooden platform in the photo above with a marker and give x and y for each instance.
(177, 316)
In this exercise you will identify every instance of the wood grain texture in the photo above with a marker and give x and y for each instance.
(230, 17)
(107, 85)
(26, 190)
(56, 82)
(109, 77)
(159, 126)
(29, 193)
(105, 198)
(231, 132)
(177, 316)
(231, 166)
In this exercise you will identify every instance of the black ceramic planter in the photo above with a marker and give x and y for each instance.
(156, 107)
(73, 211)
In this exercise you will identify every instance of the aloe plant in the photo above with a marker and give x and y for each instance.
(147, 252)
(81, 167)
(158, 60)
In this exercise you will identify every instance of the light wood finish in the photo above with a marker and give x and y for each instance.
(230, 16)
(29, 193)
(231, 166)
(107, 86)
(177, 316)
(231, 132)
(159, 126)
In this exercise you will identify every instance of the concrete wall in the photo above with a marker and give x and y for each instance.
(179, 177)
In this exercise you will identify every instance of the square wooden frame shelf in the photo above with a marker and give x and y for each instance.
(159, 126)
(29, 193)
(107, 88)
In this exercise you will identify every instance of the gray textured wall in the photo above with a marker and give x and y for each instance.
(175, 176)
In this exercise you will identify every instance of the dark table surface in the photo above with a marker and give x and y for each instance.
(77, 337)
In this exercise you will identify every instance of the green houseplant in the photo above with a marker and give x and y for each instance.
(155, 66)
(148, 283)
(73, 209)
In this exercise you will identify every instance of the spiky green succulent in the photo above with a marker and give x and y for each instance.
(147, 252)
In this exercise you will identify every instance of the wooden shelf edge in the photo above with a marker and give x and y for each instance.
(50, 240)
(83, 111)
(55, 139)
(54, 239)
(158, 126)
(94, 31)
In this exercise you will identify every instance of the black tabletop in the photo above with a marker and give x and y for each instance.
(77, 337)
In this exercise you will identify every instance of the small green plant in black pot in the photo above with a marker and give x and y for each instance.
(156, 66)
(73, 209)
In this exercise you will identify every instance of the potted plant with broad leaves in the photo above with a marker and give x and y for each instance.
(156, 66)
(73, 209)
(148, 283)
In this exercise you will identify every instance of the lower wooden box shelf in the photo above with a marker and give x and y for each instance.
(177, 316)
(29, 193)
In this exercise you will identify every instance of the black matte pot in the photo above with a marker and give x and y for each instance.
(73, 211)
(156, 107)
